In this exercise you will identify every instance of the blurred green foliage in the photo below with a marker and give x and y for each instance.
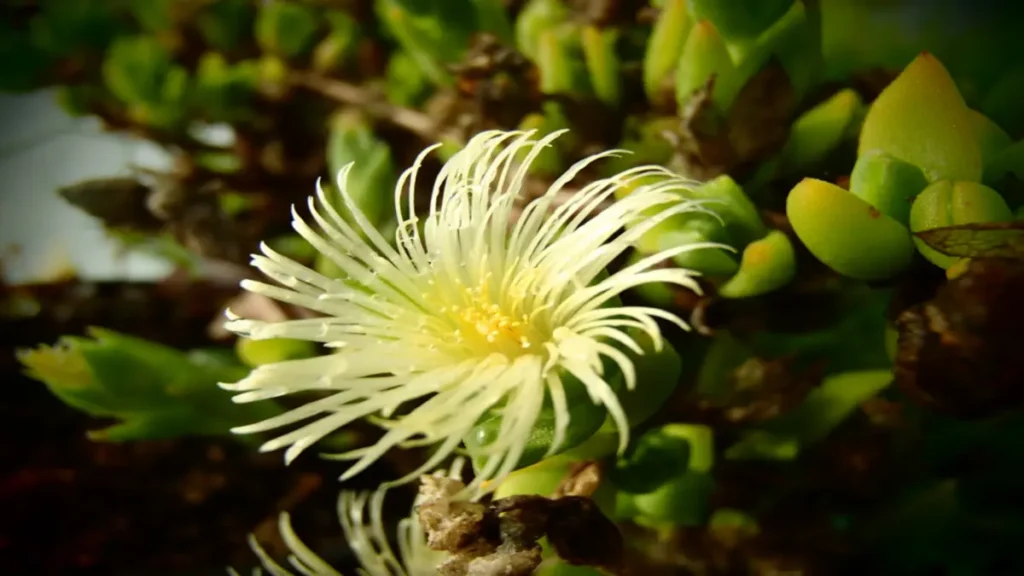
(820, 136)
(152, 390)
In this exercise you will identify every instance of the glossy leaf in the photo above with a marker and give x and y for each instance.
(492, 16)
(551, 161)
(764, 446)
(407, 84)
(153, 15)
(544, 477)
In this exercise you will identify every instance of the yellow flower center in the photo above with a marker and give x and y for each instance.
(486, 325)
(490, 323)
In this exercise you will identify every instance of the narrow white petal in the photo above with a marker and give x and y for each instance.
(465, 315)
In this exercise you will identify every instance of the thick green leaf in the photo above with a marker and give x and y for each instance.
(434, 32)
(820, 130)
(536, 18)
(407, 84)
(740, 18)
(887, 183)
(371, 182)
(767, 265)
(602, 59)
(286, 28)
(586, 419)
(665, 46)
(851, 236)
(224, 92)
(828, 405)
(657, 375)
(135, 69)
(154, 391)
(153, 15)
(684, 501)
(946, 203)
(656, 459)
(921, 118)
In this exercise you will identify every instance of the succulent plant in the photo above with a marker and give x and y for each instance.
(767, 211)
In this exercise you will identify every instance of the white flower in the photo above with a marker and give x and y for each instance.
(469, 312)
(366, 538)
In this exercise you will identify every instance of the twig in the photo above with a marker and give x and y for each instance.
(373, 104)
